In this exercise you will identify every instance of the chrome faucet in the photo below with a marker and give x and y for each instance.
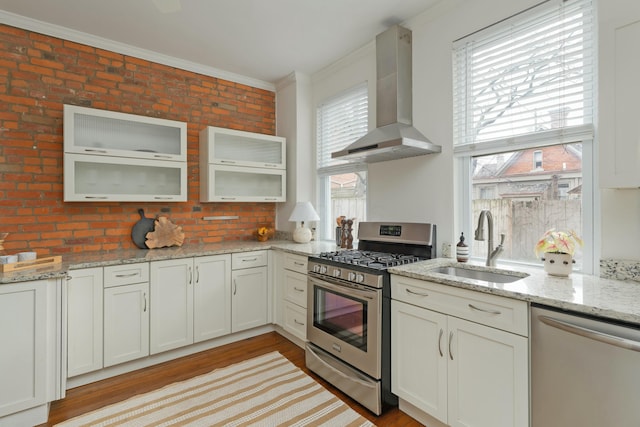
(492, 254)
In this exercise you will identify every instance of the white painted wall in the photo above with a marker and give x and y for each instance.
(294, 119)
(424, 188)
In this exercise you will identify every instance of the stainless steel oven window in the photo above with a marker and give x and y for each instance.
(340, 315)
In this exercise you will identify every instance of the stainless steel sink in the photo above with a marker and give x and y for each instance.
(483, 275)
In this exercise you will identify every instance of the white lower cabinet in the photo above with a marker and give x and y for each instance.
(84, 289)
(175, 313)
(419, 365)
(171, 294)
(31, 337)
(212, 297)
(488, 376)
(290, 278)
(458, 370)
(249, 296)
(126, 323)
(295, 295)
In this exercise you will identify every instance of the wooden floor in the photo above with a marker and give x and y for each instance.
(96, 395)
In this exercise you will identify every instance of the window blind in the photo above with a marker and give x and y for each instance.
(533, 72)
(340, 121)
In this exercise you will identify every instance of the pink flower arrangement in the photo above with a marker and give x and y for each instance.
(559, 242)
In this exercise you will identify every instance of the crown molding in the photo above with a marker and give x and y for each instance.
(125, 49)
(292, 78)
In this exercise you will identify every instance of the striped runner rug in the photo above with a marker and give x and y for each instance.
(267, 390)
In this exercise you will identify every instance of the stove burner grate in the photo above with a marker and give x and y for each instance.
(377, 260)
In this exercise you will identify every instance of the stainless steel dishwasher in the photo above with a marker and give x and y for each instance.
(584, 371)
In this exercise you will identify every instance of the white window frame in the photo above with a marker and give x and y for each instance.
(327, 224)
(536, 154)
(464, 153)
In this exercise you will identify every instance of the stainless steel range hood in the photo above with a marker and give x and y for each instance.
(394, 137)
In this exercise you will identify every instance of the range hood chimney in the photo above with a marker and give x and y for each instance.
(394, 136)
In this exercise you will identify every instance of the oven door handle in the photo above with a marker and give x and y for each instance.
(370, 294)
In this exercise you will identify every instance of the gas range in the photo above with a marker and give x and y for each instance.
(349, 309)
(381, 245)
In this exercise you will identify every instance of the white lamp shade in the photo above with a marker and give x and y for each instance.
(303, 211)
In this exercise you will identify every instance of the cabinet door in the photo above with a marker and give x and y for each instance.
(619, 87)
(95, 178)
(212, 297)
(84, 321)
(488, 376)
(171, 304)
(111, 133)
(240, 148)
(419, 358)
(23, 352)
(249, 298)
(242, 184)
(126, 323)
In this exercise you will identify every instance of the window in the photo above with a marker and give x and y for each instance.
(523, 94)
(342, 185)
(537, 159)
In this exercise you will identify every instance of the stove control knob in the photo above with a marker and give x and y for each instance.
(360, 278)
(336, 272)
(316, 268)
(323, 269)
(352, 276)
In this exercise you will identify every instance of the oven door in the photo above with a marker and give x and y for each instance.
(344, 319)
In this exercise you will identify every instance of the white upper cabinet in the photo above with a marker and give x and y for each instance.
(238, 148)
(619, 133)
(109, 133)
(237, 166)
(122, 157)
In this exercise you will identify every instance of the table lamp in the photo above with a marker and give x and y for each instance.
(303, 211)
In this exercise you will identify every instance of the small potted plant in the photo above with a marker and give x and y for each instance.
(557, 248)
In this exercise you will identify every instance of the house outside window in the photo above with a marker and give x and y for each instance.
(342, 186)
(523, 95)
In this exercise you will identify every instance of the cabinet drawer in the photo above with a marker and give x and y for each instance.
(295, 320)
(127, 274)
(295, 263)
(490, 310)
(295, 288)
(248, 259)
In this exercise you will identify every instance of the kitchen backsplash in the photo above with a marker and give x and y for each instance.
(38, 74)
(620, 269)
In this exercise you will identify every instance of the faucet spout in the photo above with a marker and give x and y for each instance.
(492, 254)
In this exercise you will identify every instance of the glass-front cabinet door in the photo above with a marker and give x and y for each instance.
(110, 133)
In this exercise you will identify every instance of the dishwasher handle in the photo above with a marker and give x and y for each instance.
(591, 334)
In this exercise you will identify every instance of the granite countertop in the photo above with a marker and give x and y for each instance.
(609, 298)
(613, 299)
(86, 260)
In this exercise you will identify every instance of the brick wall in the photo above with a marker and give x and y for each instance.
(38, 74)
